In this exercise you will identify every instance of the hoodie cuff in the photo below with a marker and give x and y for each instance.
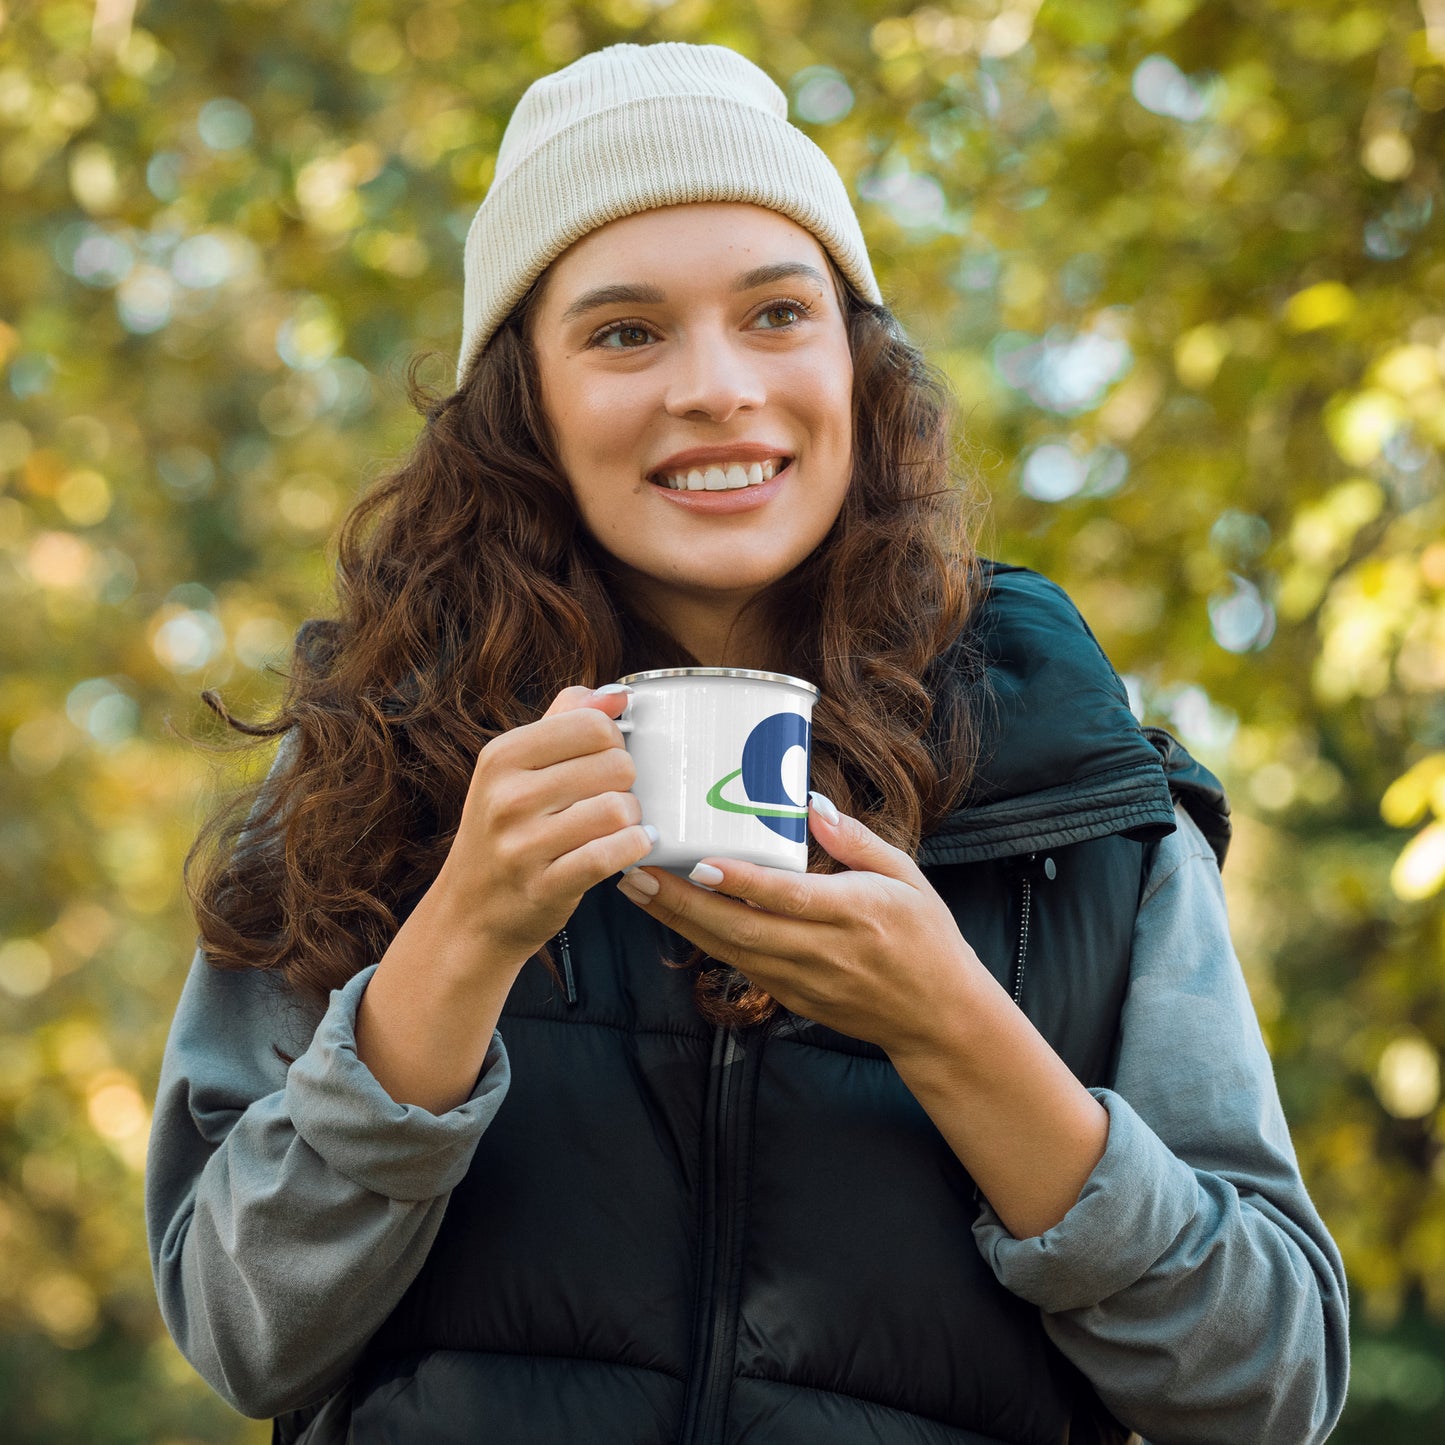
(1130, 1210)
(398, 1150)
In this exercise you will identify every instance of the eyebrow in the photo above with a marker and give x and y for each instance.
(643, 294)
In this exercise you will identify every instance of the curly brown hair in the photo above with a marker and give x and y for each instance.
(469, 594)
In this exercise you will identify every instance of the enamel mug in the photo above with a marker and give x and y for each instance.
(722, 758)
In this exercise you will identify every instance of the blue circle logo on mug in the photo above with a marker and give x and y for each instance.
(766, 794)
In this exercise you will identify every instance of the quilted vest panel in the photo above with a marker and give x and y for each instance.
(609, 1220)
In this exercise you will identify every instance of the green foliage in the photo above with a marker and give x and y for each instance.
(1183, 264)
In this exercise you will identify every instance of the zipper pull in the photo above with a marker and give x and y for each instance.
(565, 949)
(1033, 869)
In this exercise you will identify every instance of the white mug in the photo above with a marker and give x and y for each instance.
(722, 757)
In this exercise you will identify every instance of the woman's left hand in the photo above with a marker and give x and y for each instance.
(872, 952)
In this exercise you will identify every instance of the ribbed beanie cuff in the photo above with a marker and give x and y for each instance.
(632, 128)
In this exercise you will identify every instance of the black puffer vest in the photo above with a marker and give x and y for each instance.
(676, 1235)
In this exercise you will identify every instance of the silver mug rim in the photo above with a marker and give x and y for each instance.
(744, 672)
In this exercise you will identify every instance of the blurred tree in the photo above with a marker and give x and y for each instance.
(1183, 264)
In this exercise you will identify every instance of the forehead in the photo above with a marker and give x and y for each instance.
(696, 242)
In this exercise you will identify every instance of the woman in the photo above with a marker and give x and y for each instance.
(967, 1135)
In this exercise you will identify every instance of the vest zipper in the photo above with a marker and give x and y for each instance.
(1021, 953)
(565, 948)
(712, 1368)
(1030, 870)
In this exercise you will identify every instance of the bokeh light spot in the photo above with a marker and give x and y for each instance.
(821, 95)
(1240, 619)
(376, 49)
(62, 562)
(186, 471)
(98, 258)
(94, 180)
(115, 1106)
(188, 640)
(310, 336)
(308, 503)
(84, 497)
(1326, 303)
(914, 201)
(224, 124)
(1360, 425)
(1159, 85)
(262, 640)
(163, 175)
(201, 261)
(1419, 871)
(1388, 155)
(25, 967)
(1052, 473)
(1062, 372)
(65, 1307)
(104, 711)
(1407, 1078)
(145, 300)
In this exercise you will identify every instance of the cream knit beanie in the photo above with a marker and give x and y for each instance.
(631, 128)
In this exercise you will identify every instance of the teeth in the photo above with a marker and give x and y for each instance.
(733, 477)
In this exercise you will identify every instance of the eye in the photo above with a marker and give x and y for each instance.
(618, 330)
(790, 310)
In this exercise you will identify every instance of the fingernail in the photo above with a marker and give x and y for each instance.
(824, 807)
(652, 833)
(707, 875)
(639, 886)
(609, 688)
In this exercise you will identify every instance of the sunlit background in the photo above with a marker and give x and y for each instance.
(1182, 263)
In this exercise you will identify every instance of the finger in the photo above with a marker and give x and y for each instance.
(855, 845)
(584, 867)
(555, 788)
(588, 819)
(575, 733)
(567, 699)
(610, 699)
(726, 928)
(816, 897)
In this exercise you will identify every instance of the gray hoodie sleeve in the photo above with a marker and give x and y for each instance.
(288, 1208)
(1193, 1281)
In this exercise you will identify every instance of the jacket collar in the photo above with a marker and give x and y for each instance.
(1063, 759)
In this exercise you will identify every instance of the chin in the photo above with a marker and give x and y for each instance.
(728, 579)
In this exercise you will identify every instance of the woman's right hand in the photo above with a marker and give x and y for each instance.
(548, 814)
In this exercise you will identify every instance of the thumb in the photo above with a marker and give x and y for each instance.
(610, 699)
(855, 845)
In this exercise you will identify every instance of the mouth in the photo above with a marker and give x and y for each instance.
(734, 477)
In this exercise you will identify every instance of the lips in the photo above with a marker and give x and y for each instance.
(720, 456)
(719, 477)
(726, 500)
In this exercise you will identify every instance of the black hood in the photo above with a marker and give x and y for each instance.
(1063, 759)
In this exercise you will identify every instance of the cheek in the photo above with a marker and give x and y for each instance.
(835, 394)
(839, 413)
(591, 430)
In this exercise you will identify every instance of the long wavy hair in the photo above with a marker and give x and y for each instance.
(469, 594)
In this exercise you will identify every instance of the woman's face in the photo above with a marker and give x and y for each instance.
(698, 344)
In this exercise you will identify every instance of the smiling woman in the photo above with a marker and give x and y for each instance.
(709, 372)
(964, 1136)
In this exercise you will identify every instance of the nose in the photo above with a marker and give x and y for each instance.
(715, 378)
